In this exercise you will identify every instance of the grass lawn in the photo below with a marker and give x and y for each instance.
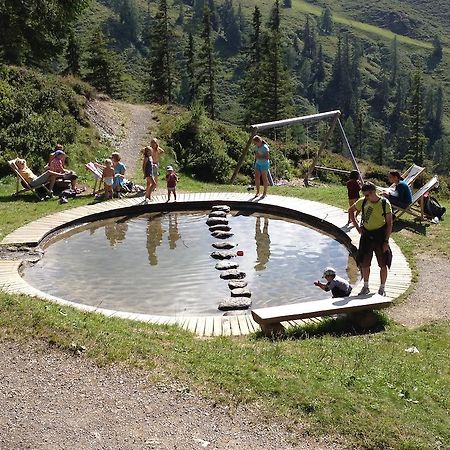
(363, 387)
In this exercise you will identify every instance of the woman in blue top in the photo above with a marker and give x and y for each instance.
(119, 170)
(402, 195)
(262, 164)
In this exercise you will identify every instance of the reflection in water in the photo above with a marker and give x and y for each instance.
(352, 270)
(262, 240)
(115, 232)
(174, 235)
(176, 275)
(154, 237)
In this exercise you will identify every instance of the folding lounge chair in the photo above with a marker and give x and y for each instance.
(408, 176)
(25, 185)
(416, 208)
(97, 172)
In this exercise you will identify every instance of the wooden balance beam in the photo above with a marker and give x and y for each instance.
(269, 319)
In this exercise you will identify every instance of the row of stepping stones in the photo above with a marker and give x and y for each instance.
(219, 228)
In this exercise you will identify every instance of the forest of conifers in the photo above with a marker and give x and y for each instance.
(248, 62)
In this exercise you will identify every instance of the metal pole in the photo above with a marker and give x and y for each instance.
(244, 154)
(347, 144)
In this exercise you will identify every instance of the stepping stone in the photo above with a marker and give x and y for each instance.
(220, 228)
(236, 312)
(237, 284)
(226, 265)
(224, 254)
(225, 208)
(218, 214)
(241, 293)
(232, 275)
(228, 304)
(224, 245)
(222, 234)
(216, 221)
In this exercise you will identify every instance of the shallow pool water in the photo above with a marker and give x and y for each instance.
(161, 264)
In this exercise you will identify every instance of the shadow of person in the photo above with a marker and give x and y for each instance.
(413, 226)
(174, 235)
(154, 237)
(262, 240)
(116, 232)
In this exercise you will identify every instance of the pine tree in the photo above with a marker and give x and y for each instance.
(394, 64)
(276, 83)
(319, 67)
(309, 41)
(380, 101)
(252, 83)
(436, 55)
(73, 55)
(191, 70)
(129, 21)
(231, 27)
(161, 57)
(105, 69)
(207, 65)
(326, 22)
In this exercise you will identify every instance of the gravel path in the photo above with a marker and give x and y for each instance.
(431, 299)
(53, 400)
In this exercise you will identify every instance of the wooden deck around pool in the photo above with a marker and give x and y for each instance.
(326, 218)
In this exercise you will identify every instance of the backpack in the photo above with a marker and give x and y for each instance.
(433, 208)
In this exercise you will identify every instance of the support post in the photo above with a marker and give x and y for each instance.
(244, 154)
(347, 145)
(322, 146)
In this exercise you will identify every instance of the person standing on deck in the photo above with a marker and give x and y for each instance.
(375, 230)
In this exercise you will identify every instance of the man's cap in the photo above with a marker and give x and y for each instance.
(328, 271)
(169, 168)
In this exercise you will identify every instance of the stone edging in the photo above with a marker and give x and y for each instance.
(326, 218)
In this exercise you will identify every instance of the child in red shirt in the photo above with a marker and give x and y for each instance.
(353, 190)
(172, 179)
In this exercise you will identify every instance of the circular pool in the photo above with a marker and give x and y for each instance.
(161, 264)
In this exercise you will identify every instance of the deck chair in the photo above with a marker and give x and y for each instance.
(20, 180)
(408, 176)
(416, 208)
(97, 172)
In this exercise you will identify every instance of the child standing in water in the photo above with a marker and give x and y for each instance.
(353, 190)
(147, 167)
(108, 178)
(172, 179)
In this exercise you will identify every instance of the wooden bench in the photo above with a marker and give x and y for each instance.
(269, 319)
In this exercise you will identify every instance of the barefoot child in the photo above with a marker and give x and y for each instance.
(353, 190)
(147, 167)
(108, 178)
(337, 285)
(172, 179)
(156, 154)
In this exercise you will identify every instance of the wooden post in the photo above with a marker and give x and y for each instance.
(322, 146)
(244, 154)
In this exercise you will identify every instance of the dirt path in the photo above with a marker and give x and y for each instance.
(52, 400)
(126, 126)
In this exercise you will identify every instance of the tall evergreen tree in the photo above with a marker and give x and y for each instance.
(436, 55)
(73, 55)
(191, 70)
(105, 70)
(394, 63)
(276, 83)
(230, 25)
(326, 22)
(161, 56)
(128, 17)
(309, 41)
(207, 65)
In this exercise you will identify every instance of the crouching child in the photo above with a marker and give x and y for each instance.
(337, 285)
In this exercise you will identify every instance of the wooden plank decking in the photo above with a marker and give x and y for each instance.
(329, 218)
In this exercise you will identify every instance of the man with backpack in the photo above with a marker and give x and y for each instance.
(375, 230)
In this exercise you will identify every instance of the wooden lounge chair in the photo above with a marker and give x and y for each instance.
(20, 180)
(416, 208)
(97, 172)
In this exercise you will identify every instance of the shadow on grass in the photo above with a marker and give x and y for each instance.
(414, 227)
(340, 326)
